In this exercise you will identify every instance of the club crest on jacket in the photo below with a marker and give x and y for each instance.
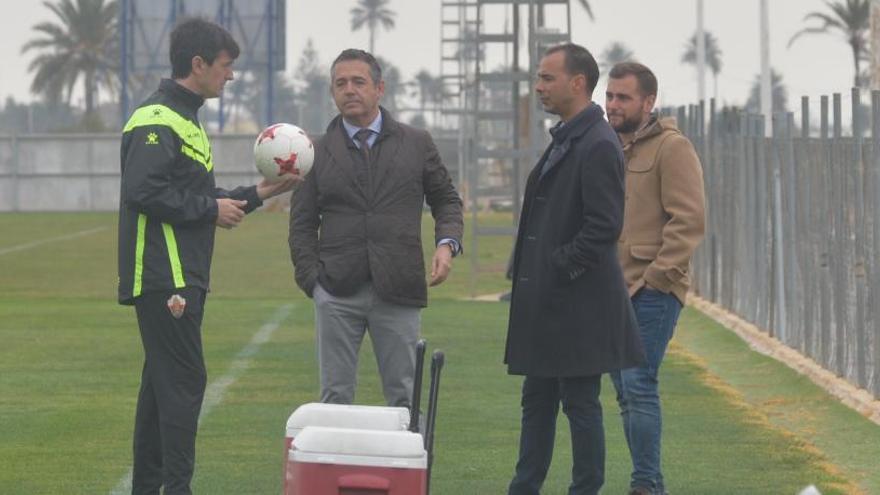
(176, 304)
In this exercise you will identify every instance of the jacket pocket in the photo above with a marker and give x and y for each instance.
(677, 276)
(560, 266)
(646, 252)
(639, 165)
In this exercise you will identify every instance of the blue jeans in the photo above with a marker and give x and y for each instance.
(637, 388)
(540, 404)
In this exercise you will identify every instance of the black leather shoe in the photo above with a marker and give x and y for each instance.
(638, 490)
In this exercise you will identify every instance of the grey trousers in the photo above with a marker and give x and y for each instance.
(340, 324)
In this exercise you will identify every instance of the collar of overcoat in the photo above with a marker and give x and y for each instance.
(572, 130)
(337, 144)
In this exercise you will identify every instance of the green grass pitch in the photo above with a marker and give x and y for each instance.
(70, 359)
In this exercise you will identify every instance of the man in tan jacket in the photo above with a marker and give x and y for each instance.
(663, 225)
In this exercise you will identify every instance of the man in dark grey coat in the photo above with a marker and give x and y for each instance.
(355, 234)
(570, 315)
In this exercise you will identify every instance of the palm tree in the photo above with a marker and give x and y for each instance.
(614, 54)
(253, 97)
(467, 50)
(779, 94)
(713, 55)
(82, 44)
(850, 20)
(312, 90)
(428, 89)
(394, 85)
(586, 5)
(371, 13)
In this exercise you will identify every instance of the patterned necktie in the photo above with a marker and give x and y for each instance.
(362, 136)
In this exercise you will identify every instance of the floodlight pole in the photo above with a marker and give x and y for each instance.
(123, 58)
(270, 62)
(224, 14)
(875, 44)
(701, 54)
(766, 82)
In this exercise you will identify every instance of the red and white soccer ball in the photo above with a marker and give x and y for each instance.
(283, 149)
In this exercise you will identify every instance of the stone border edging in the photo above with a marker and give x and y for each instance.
(855, 398)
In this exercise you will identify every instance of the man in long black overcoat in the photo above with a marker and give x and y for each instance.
(570, 316)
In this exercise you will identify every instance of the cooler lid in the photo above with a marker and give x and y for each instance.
(368, 461)
(348, 416)
(356, 442)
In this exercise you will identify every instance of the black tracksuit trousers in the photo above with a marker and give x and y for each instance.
(170, 398)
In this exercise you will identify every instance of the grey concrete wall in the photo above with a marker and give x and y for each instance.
(80, 172)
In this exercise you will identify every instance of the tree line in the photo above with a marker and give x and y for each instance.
(79, 52)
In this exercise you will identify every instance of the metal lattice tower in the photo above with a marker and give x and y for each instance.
(458, 28)
(508, 133)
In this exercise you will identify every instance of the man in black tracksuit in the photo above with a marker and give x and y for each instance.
(168, 210)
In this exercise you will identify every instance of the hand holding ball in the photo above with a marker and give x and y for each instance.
(283, 149)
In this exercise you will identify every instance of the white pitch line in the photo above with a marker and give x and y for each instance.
(217, 389)
(28, 245)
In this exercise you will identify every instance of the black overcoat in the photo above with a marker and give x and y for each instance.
(570, 314)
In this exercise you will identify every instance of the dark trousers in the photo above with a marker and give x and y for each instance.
(540, 404)
(172, 387)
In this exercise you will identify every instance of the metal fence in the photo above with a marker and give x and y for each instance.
(792, 232)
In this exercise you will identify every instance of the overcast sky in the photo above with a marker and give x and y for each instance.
(656, 31)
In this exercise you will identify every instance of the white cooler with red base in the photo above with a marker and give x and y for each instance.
(345, 416)
(344, 461)
(342, 416)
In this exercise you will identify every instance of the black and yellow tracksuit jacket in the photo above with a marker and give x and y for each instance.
(167, 203)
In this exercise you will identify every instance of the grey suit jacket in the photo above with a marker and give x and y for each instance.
(344, 232)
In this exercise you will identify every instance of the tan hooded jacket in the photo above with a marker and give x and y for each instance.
(664, 218)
